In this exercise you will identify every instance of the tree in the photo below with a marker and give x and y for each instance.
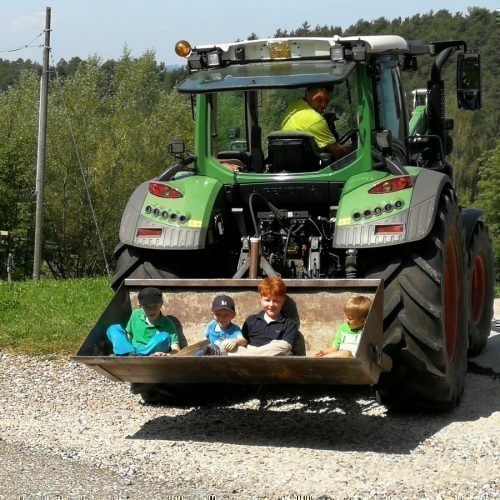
(489, 195)
(121, 119)
(18, 145)
(108, 124)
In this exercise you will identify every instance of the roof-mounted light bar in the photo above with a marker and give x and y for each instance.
(199, 59)
(348, 52)
(206, 58)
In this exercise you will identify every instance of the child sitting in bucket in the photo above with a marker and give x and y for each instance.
(269, 333)
(346, 340)
(148, 331)
(223, 335)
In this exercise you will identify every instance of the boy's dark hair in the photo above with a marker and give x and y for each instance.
(150, 295)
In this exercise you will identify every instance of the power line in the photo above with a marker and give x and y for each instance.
(82, 170)
(27, 46)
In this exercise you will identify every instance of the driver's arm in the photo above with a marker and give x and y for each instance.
(337, 150)
(325, 139)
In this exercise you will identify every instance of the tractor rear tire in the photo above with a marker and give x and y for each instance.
(425, 315)
(140, 264)
(128, 263)
(169, 264)
(481, 266)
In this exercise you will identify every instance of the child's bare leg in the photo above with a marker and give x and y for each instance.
(339, 354)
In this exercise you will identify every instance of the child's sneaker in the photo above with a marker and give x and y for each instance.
(212, 350)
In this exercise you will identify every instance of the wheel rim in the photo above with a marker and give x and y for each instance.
(477, 288)
(451, 297)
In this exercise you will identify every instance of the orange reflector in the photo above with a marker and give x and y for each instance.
(390, 229)
(149, 232)
(182, 48)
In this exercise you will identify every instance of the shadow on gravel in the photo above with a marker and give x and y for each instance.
(349, 421)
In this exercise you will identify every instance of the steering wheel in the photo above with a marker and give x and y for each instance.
(351, 135)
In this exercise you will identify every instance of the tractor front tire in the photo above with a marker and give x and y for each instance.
(481, 265)
(425, 315)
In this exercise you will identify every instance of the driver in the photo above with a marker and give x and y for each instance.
(305, 114)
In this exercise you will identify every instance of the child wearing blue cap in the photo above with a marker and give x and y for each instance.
(223, 335)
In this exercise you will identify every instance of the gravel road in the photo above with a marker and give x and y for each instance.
(68, 432)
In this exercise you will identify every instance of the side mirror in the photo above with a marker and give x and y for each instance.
(177, 148)
(469, 81)
(383, 140)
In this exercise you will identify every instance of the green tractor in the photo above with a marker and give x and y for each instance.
(274, 204)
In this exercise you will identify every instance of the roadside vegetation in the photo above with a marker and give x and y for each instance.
(50, 316)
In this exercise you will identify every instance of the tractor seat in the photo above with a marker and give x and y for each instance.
(295, 152)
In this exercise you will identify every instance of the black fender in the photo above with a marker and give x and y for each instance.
(470, 217)
(131, 214)
(429, 185)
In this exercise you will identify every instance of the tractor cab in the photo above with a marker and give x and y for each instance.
(249, 86)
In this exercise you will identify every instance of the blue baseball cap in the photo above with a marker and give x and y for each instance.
(223, 302)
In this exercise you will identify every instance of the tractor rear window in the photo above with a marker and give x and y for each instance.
(242, 122)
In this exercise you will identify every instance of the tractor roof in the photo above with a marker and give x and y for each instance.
(281, 62)
(270, 49)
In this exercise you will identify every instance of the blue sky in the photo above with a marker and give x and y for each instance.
(88, 27)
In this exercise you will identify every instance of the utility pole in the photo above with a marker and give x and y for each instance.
(10, 257)
(41, 151)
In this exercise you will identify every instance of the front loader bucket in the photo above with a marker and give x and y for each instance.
(316, 304)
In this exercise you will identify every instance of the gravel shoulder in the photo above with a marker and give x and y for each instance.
(66, 430)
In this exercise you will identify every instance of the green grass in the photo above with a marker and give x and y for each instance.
(50, 316)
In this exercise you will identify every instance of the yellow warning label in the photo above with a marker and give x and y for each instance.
(345, 221)
(194, 223)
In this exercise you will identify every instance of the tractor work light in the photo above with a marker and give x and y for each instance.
(164, 190)
(196, 61)
(214, 59)
(383, 139)
(392, 185)
(205, 58)
(359, 52)
(182, 48)
(337, 52)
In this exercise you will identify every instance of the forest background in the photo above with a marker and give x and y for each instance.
(109, 122)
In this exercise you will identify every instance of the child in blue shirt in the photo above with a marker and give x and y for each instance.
(223, 335)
